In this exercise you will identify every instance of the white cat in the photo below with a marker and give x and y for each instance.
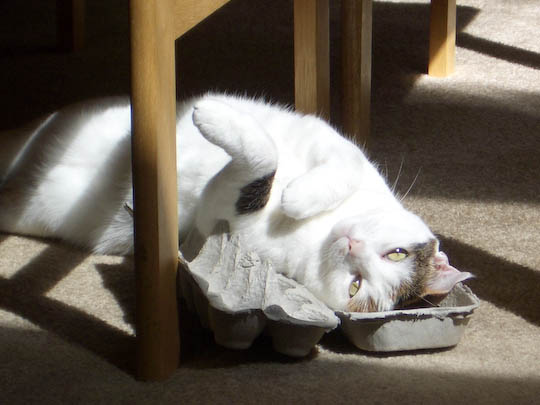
(300, 194)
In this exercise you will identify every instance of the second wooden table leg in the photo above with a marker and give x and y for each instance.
(312, 57)
(356, 23)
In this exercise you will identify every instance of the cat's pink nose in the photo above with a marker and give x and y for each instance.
(356, 247)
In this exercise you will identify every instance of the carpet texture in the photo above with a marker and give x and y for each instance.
(471, 141)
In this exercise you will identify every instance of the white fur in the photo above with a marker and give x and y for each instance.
(74, 177)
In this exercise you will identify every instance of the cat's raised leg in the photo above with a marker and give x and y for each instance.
(252, 151)
(243, 186)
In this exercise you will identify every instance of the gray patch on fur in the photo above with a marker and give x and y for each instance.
(412, 291)
(255, 195)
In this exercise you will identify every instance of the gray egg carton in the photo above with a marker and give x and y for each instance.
(238, 296)
(412, 329)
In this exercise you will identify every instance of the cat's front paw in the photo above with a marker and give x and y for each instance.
(296, 204)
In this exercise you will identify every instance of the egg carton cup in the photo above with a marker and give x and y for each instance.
(239, 297)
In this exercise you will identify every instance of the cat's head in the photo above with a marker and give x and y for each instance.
(382, 261)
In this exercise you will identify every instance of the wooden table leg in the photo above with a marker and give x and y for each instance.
(154, 180)
(70, 24)
(356, 23)
(312, 57)
(442, 41)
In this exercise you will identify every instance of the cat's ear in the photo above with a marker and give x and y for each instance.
(445, 277)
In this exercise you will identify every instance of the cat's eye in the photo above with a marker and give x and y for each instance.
(397, 255)
(354, 287)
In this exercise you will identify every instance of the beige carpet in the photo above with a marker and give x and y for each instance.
(66, 330)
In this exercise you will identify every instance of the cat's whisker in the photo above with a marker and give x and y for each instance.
(427, 301)
(411, 186)
(398, 175)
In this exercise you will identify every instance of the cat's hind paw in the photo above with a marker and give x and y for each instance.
(213, 118)
(238, 133)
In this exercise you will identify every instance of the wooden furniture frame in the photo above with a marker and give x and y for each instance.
(442, 38)
(155, 25)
